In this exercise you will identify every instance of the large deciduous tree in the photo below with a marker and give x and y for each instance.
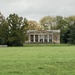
(33, 25)
(47, 22)
(50, 23)
(17, 30)
(63, 26)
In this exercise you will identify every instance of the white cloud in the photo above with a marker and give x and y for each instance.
(36, 9)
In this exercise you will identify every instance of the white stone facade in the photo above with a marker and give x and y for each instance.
(48, 36)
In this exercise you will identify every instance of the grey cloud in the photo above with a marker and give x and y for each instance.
(35, 9)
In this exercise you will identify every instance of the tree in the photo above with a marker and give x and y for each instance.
(70, 22)
(47, 22)
(72, 34)
(64, 27)
(33, 25)
(50, 23)
(3, 30)
(17, 30)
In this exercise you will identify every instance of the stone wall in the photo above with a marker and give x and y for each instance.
(56, 38)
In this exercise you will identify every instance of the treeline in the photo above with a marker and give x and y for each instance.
(65, 24)
(13, 29)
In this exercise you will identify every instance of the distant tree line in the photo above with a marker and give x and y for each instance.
(13, 29)
(65, 24)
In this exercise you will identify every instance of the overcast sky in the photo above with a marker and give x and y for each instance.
(36, 9)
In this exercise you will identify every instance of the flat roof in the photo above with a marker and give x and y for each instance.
(33, 31)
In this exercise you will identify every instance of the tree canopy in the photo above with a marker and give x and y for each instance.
(13, 29)
(33, 25)
(65, 24)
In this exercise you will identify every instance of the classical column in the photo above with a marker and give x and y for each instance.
(48, 38)
(38, 38)
(53, 41)
(58, 38)
(34, 38)
(43, 38)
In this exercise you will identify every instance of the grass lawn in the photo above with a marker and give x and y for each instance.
(40, 60)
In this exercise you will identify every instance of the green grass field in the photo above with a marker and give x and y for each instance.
(40, 60)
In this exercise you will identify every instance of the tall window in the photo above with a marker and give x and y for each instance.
(50, 38)
(45, 38)
(32, 38)
(41, 38)
(36, 38)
